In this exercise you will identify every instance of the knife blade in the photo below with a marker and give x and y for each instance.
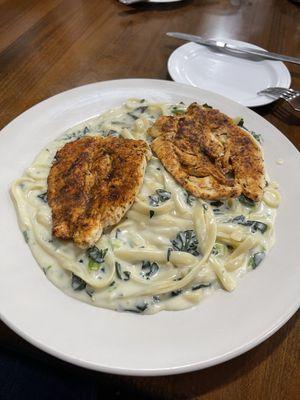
(234, 49)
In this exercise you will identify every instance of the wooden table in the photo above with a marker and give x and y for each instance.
(53, 45)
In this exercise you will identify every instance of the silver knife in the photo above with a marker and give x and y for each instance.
(235, 49)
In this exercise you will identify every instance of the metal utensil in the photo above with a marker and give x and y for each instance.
(290, 95)
(235, 49)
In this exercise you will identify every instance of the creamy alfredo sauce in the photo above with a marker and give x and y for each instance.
(168, 251)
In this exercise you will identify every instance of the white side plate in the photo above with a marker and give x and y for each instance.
(223, 326)
(239, 78)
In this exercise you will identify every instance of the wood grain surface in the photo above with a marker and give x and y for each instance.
(50, 46)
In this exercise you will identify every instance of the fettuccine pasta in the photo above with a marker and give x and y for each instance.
(169, 251)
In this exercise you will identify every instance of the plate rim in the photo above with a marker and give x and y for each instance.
(153, 372)
(160, 371)
(264, 99)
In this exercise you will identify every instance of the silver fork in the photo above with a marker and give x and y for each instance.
(290, 95)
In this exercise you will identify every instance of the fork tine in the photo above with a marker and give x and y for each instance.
(279, 91)
(282, 90)
(290, 95)
(286, 95)
(272, 90)
(293, 92)
(273, 95)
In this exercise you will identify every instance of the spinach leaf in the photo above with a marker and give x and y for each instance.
(26, 236)
(241, 123)
(190, 199)
(256, 136)
(177, 110)
(246, 201)
(218, 249)
(255, 225)
(77, 283)
(43, 197)
(112, 132)
(89, 291)
(140, 308)
(177, 278)
(151, 213)
(258, 226)
(169, 251)
(186, 241)
(216, 203)
(137, 112)
(256, 259)
(175, 293)
(154, 200)
(76, 135)
(45, 270)
(241, 220)
(160, 196)
(217, 211)
(163, 195)
(206, 105)
(119, 123)
(201, 286)
(97, 255)
(93, 265)
(149, 269)
(123, 275)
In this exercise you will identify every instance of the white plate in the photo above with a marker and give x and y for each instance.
(221, 327)
(238, 78)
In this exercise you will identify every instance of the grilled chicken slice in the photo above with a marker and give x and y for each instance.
(209, 155)
(92, 184)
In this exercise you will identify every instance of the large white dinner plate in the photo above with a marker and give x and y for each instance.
(223, 326)
(239, 78)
